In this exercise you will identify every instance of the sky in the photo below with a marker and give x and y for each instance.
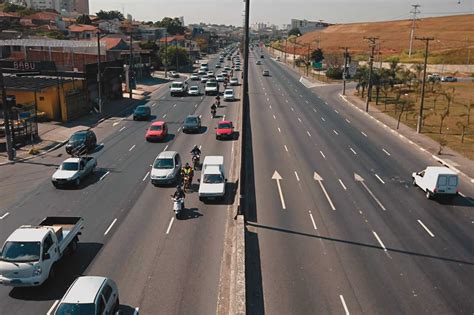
(280, 12)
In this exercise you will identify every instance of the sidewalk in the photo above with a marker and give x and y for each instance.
(53, 135)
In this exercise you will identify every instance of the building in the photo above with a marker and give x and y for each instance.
(306, 26)
(181, 20)
(80, 6)
(79, 31)
(151, 33)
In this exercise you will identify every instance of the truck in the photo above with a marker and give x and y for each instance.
(30, 254)
(212, 182)
(73, 170)
(212, 87)
(437, 181)
(178, 88)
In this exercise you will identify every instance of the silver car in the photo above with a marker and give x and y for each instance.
(165, 168)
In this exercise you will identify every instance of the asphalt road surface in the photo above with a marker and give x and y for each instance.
(161, 265)
(334, 223)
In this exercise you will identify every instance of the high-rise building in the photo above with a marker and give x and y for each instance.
(81, 6)
(181, 19)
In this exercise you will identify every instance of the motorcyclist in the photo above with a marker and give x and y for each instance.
(179, 194)
(218, 100)
(195, 151)
(188, 171)
(213, 110)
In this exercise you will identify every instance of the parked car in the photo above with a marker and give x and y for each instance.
(449, 79)
(142, 112)
(90, 295)
(81, 142)
(157, 131)
(194, 90)
(192, 123)
(437, 181)
(73, 170)
(225, 130)
(166, 168)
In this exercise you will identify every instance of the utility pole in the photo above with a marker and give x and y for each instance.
(99, 74)
(166, 55)
(372, 43)
(6, 118)
(422, 100)
(130, 71)
(176, 54)
(344, 73)
(415, 11)
(308, 57)
(319, 34)
(286, 46)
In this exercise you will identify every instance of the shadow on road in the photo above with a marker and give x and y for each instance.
(68, 269)
(190, 213)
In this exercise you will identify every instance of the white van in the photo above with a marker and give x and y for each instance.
(437, 181)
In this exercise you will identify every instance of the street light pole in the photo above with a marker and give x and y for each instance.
(131, 63)
(6, 118)
(99, 74)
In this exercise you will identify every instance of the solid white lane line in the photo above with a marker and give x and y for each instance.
(4, 216)
(144, 178)
(386, 152)
(363, 134)
(110, 226)
(308, 133)
(380, 241)
(322, 118)
(164, 116)
(174, 105)
(169, 226)
(122, 129)
(279, 130)
(378, 177)
(179, 129)
(348, 121)
(426, 229)
(297, 177)
(307, 102)
(116, 123)
(133, 147)
(336, 111)
(52, 307)
(322, 154)
(153, 105)
(342, 184)
(353, 151)
(274, 117)
(165, 148)
(299, 119)
(346, 310)
(103, 176)
(336, 132)
(314, 110)
(285, 147)
(268, 100)
(312, 220)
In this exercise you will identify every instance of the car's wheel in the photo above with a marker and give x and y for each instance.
(428, 194)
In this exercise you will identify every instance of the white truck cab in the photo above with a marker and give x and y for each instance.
(213, 181)
(178, 88)
(437, 181)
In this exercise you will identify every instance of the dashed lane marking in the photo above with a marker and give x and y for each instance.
(379, 240)
(426, 229)
(322, 154)
(146, 176)
(103, 176)
(4, 216)
(378, 177)
(342, 184)
(110, 226)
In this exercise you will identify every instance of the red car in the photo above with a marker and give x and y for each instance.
(225, 130)
(157, 131)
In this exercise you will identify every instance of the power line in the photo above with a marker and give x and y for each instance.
(415, 11)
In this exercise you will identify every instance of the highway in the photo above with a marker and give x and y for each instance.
(160, 264)
(334, 223)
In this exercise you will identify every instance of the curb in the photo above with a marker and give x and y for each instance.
(35, 156)
(395, 132)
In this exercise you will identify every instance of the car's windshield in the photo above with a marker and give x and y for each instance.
(21, 251)
(213, 179)
(225, 126)
(75, 309)
(140, 109)
(177, 85)
(212, 84)
(155, 127)
(69, 166)
(164, 164)
(194, 88)
(190, 120)
(77, 137)
(229, 92)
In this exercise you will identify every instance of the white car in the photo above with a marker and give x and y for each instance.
(212, 183)
(201, 71)
(90, 295)
(194, 77)
(218, 66)
(220, 78)
(166, 168)
(204, 79)
(212, 88)
(266, 73)
(234, 81)
(229, 95)
(173, 74)
(437, 181)
(210, 73)
(178, 88)
(194, 90)
(73, 171)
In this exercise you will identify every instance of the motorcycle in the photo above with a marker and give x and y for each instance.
(186, 182)
(196, 160)
(213, 113)
(178, 205)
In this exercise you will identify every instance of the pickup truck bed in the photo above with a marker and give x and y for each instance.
(63, 226)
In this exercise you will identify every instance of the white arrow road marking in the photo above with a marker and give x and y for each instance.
(110, 226)
(312, 220)
(346, 310)
(379, 240)
(52, 307)
(426, 229)
(4, 216)
(319, 179)
(359, 179)
(169, 226)
(278, 178)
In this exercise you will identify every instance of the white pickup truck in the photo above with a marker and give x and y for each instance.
(29, 255)
(73, 170)
(212, 183)
(178, 88)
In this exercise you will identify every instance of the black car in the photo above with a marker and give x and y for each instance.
(192, 123)
(262, 56)
(142, 112)
(81, 142)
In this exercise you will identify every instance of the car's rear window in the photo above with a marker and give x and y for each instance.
(442, 180)
(453, 180)
(213, 179)
(225, 126)
(156, 127)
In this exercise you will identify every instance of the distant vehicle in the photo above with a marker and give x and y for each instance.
(278, 58)
(234, 81)
(194, 90)
(262, 56)
(229, 95)
(237, 68)
(166, 168)
(227, 68)
(192, 123)
(30, 254)
(212, 183)
(225, 73)
(225, 130)
(212, 88)
(210, 74)
(157, 131)
(202, 71)
(142, 112)
(82, 141)
(220, 78)
(228, 57)
(90, 295)
(173, 74)
(449, 79)
(258, 62)
(434, 77)
(437, 181)
(218, 66)
(266, 73)
(73, 170)
(178, 88)
(195, 76)
(204, 78)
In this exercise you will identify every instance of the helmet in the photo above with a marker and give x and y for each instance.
(187, 164)
(178, 187)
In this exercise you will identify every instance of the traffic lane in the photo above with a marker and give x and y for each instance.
(171, 257)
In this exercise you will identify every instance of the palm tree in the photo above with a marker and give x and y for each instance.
(463, 128)
(362, 77)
